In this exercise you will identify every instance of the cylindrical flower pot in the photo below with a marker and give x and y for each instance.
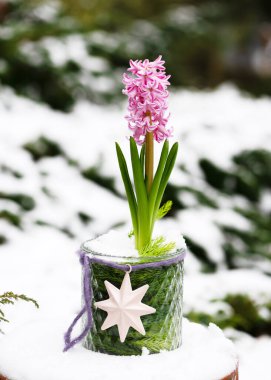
(165, 293)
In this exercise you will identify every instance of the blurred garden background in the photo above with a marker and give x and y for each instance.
(62, 109)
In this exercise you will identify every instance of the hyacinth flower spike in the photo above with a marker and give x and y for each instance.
(146, 88)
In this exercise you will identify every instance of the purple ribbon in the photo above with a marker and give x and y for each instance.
(85, 261)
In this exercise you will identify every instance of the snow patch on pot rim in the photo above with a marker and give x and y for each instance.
(117, 243)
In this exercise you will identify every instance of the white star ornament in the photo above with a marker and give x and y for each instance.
(124, 307)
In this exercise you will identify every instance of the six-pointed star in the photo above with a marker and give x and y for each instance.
(124, 307)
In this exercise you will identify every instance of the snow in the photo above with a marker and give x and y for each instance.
(118, 243)
(201, 288)
(183, 15)
(218, 124)
(72, 48)
(113, 243)
(37, 347)
(254, 359)
(40, 261)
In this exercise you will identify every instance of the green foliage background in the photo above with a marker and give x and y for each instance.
(205, 43)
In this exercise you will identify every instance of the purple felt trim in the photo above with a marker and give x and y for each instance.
(85, 260)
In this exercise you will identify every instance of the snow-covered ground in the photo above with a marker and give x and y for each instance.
(200, 345)
(38, 258)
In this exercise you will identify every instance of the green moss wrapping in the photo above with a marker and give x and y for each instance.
(163, 328)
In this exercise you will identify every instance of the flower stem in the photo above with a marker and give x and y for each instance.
(149, 160)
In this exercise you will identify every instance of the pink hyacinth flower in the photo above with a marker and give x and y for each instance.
(146, 87)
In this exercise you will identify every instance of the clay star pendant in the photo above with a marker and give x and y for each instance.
(124, 307)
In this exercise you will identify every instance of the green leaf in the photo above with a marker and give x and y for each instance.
(142, 158)
(4, 320)
(141, 195)
(165, 177)
(128, 188)
(9, 298)
(164, 210)
(158, 176)
(131, 233)
(157, 247)
(140, 188)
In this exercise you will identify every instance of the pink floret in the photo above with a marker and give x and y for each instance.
(146, 87)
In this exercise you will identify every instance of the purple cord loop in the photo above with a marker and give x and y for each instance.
(85, 261)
